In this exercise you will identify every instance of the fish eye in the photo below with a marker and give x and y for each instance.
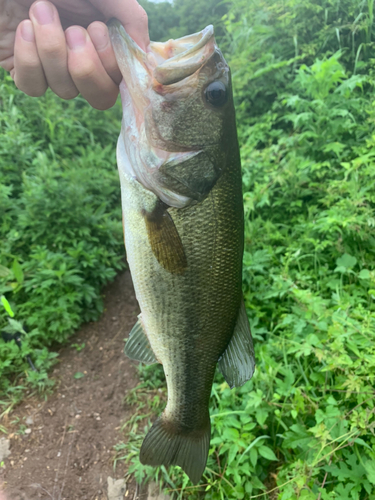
(216, 93)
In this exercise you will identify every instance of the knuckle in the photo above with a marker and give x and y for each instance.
(67, 95)
(143, 19)
(86, 70)
(98, 24)
(32, 91)
(30, 66)
(51, 51)
(8, 64)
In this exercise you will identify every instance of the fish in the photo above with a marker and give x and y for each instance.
(181, 189)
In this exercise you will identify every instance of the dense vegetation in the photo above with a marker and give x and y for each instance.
(183, 17)
(60, 223)
(304, 84)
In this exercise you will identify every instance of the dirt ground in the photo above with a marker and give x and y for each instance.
(62, 447)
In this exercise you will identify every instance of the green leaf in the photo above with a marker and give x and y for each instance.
(16, 326)
(4, 272)
(363, 443)
(7, 306)
(364, 274)
(370, 469)
(17, 271)
(253, 456)
(297, 436)
(257, 483)
(266, 452)
(232, 453)
(231, 434)
(346, 261)
(261, 416)
(79, 375)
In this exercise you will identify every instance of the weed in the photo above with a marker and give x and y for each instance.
(79, 347)
(60, 225)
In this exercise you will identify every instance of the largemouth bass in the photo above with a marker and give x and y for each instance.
(180, 174)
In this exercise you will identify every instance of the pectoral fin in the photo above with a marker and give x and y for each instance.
(237, 364)
(164, 239)
(138, 346)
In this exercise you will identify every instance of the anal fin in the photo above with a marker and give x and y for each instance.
(237, 364)
(138, 346)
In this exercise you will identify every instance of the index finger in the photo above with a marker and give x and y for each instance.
(131, 15)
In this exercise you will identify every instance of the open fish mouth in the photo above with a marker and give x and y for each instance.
(143, 150)
(162, 65)
(167, 62)
(183, 57)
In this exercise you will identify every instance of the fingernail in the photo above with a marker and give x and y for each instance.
(76, 37)
(27, 31)
(43, 12)
(99, 36)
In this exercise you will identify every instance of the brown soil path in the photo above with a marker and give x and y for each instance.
(62, 448)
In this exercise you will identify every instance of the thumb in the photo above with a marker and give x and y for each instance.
(131, 15)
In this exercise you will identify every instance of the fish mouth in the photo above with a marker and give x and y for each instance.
(145, 74)
(184, 56)
(168, 62)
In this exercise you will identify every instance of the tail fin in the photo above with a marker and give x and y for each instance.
(167, 444)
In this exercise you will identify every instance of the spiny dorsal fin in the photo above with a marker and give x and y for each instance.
(237, 364)
(164, 239)
(138, 346)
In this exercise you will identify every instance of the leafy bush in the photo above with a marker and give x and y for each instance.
(309, 279)
(60, 220)
(180, 18)
(268, 40)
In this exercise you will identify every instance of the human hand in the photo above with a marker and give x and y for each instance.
(39, 54)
